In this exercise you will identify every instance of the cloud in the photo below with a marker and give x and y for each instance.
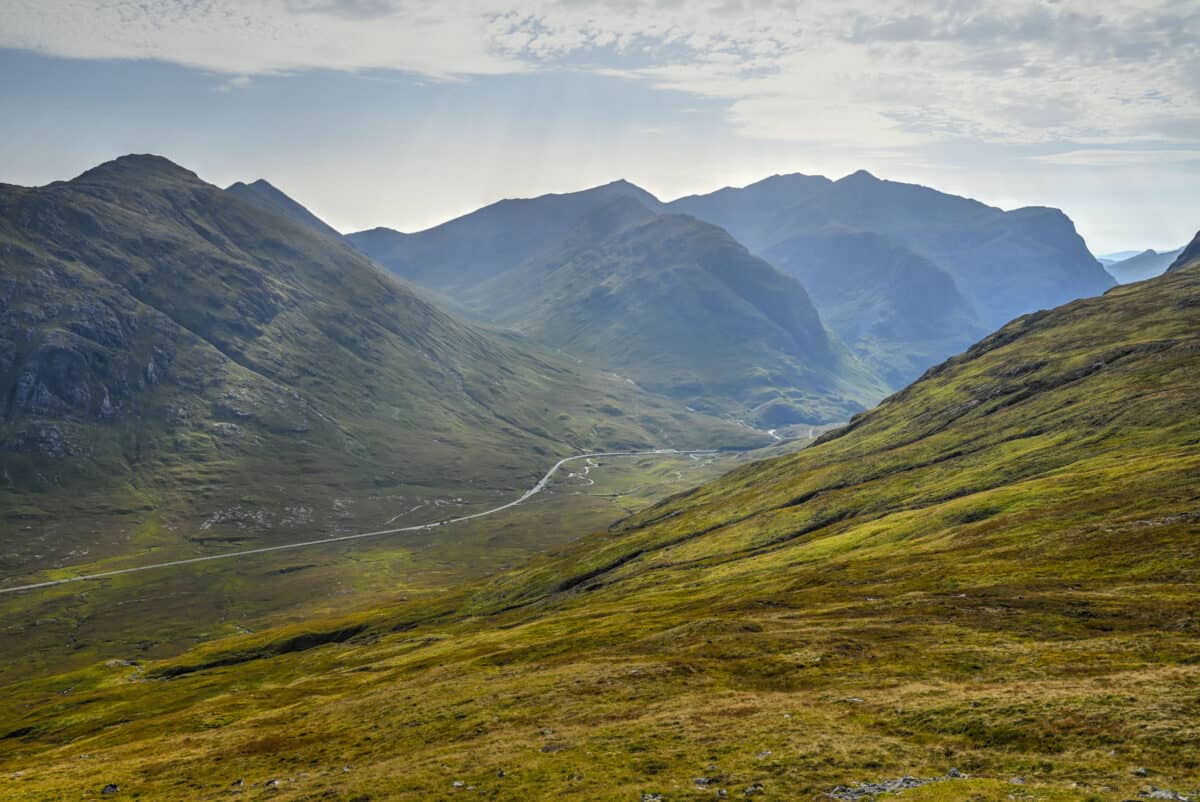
(856, 73)
(234, 83)
(1100, 157)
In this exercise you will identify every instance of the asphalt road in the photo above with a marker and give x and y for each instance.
(533, 491)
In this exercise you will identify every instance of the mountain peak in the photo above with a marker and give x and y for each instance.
(137, 166)
(860, 176)
(264, 194)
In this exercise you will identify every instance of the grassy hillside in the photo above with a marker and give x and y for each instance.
(993, 574)
(185, 370)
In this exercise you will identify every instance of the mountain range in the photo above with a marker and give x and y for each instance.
(903, 275)
(980, 266)
(1139, 267)
(168, 346)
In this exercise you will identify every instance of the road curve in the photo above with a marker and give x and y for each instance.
(533, 491)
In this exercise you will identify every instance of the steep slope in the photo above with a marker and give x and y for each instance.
(678, 306)
(479, 245)
(1147, 264)
(1004, 263)
(1188, 257)
(170, 350)
(989, 582)
(265, 195)
(683, 309)
(900, 312)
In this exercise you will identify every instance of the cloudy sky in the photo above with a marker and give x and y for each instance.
(407, 112)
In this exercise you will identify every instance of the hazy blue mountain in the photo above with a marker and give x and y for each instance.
(1147, 264)
(1189, 256)
(1004, 263)
(749, 212)
(1117, 256)
(683, 309)
(465, 250)
(899, 312)
(262, 193)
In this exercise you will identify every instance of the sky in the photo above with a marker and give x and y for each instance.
(405, 113)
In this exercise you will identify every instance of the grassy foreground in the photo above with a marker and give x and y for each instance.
(996, 571)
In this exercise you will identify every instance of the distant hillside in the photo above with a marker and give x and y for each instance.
(1117, 256)
(987, 586)
(170, 349)
(1002, 263)
(900, 312)
(683, 309)
(676, 305)
(1147, 264)
(495, 238)
(262, 193)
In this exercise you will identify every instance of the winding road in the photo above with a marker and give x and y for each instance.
(533, 491)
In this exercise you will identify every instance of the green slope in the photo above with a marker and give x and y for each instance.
(995, 571)
(170, 350)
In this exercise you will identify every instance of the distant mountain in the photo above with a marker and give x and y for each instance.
(1118, 256)
(167, 346)
(1147, 264)
(1188, 257)
(901, 312)
(749, 213)
(261, 193)
(479, 245)
(1002, 263)
(685, 310)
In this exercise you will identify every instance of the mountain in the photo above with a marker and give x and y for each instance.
(170, 351)
(900, 312)
(987, 586)
(1003, 264)
(1117, 256)
(673, 303)
(1189, 256)
(1147, 264)
(263, 194)
(683, 309)
(748, 212)
(490, 240)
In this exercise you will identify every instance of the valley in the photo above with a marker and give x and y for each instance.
(988, 579)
